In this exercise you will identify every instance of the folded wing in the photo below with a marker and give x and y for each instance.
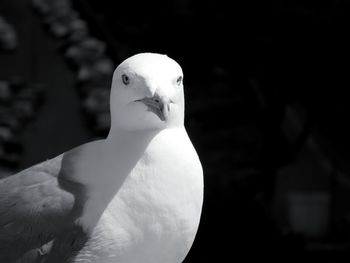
(34, 209)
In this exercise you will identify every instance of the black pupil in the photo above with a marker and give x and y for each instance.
(125, 79)
(179, 80)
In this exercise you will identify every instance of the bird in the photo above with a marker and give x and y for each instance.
(134, 196)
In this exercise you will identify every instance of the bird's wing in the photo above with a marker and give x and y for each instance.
(33, 209)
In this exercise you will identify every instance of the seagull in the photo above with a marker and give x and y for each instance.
(135, 196)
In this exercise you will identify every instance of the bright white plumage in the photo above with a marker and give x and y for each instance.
(137, 195)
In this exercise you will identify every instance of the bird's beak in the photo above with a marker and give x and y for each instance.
(158, 105)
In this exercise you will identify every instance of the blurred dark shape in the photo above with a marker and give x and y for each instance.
(8, 36)
(96, 107)
(19, 105)
(87, 56)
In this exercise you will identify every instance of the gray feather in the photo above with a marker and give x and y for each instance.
(36, 208)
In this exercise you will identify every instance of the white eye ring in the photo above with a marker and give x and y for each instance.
(179, 81)
(125, 79)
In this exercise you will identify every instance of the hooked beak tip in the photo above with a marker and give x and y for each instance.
(158, 105)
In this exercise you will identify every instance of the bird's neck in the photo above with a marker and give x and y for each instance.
(125, 137)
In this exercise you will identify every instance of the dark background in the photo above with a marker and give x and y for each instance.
(266, 108)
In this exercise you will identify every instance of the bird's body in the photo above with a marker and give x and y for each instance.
(134, 197)
(155, 212)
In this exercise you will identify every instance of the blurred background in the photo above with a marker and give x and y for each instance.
(266, 106)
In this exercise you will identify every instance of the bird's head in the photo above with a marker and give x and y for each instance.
(147, 93)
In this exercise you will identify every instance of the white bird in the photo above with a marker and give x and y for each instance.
(133, 197)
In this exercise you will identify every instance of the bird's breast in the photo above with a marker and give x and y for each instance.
(155, 214)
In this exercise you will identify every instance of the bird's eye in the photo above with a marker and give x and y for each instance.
(179, 81)
(125, 79)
